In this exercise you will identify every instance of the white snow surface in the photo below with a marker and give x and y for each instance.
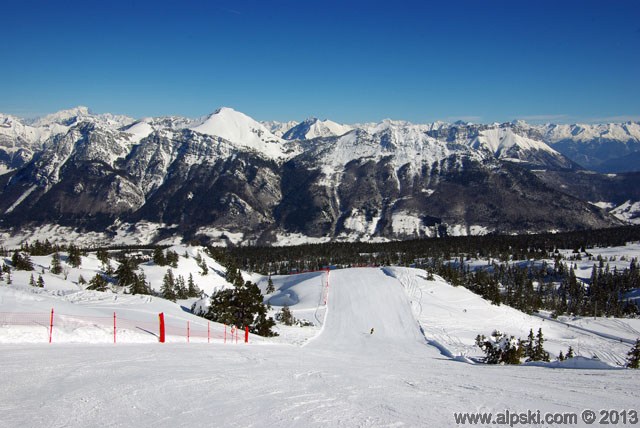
(314, 128)
(628, 131)
(239, 128)
(345, 376)
(628, 211)
(501, 141)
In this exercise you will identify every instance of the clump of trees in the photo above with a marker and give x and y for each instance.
(174, 288)
(241, 305)
(501, 348)
(21, 261)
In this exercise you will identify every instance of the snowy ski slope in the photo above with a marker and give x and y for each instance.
(409, 372)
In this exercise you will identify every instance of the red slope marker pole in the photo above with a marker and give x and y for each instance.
(114, 327)
(161, 320)
(51, 326)
(246, 334)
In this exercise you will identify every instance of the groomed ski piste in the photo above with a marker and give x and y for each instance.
(417, 369)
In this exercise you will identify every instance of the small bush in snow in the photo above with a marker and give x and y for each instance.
(500, 348)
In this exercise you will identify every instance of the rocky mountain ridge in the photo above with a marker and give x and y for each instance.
(228, 175)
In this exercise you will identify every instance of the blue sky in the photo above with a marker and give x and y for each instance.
(350, 61)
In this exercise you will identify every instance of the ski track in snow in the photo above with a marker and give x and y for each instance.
(345, 377)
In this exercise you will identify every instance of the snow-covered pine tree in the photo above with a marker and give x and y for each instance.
(40, 282)
(32, 281)
(500, 348)
(286, 317)
(633, 357)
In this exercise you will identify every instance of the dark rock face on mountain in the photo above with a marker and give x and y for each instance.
(392, 180)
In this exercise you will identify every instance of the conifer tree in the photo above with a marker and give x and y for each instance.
(539, 354)
(40, 282)
(270, 287)
(103, 256)
(633, 357)
(139, 284)
(172, 258)
(74, 258)
(21, 261)
(286, 317)
(108, 269)
(529, 346)
(98, 283)
(32, 281)
(181, 288)
(56, 266)
(158, 257)
(569, 353)
(192, 289)
(125, 273)
(167, 291)
(242, 305)
(202, 264)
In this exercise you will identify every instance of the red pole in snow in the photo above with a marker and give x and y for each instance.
(114, 327)
(51, 325)
(188, 332)
(246, 334)
(161, 319)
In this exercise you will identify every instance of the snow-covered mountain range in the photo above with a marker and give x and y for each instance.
(228, 175)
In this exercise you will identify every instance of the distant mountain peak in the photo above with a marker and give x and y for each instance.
(313, 128)
(242, 130)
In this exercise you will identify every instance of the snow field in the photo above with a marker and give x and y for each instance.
(344, 377)
(452, 317)
(86, 316)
